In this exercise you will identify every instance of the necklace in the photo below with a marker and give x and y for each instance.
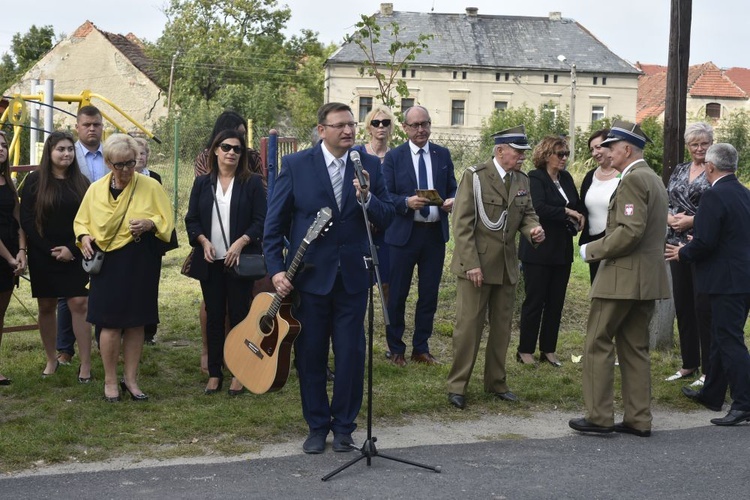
(602, 174)
(112, 184)
(375, 152)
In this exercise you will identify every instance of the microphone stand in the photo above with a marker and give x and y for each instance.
(368, 449)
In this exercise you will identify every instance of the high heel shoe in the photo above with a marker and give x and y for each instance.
(115, 399)
(57, 365)
(544, 359)
(208, 391)
(235, 392)
(84, 380)
(521, 360)
(134, 397)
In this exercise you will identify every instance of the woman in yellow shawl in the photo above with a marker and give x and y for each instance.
(128, 217)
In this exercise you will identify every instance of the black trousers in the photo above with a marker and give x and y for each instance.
(542, 308)
(693, 313)
(223, 293)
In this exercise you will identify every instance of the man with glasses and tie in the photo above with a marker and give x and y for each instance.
(334, 281)
(418, 234)
(492, 204)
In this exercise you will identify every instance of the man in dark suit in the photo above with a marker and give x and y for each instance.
(418, 234)
(631, 276)
(334, 283)
(720, 249)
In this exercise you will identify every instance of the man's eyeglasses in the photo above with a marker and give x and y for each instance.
(123, 164)
(340, 126)
(376, 123)
(229, 147)
(563, 154)
(418, 125)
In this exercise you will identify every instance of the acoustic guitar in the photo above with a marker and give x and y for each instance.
(258, 350)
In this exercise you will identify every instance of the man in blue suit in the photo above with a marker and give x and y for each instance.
(418, 234)
(720, 249)
(334, 282)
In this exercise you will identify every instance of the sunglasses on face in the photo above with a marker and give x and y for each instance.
(376, 123)
(563, 154)
(123, 164)
(228, 147)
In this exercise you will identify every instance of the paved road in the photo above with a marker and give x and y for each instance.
(705, 462)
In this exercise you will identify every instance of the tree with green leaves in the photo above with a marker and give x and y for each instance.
(25, 50)
(735, 130)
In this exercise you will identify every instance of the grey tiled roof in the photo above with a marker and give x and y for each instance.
(498, 42)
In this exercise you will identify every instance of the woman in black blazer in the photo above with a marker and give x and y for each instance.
(229, 195)
(546, 268)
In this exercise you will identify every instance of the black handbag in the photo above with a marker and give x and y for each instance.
(249, 266)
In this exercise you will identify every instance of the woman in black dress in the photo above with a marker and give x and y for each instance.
(128, 217)
(12, 238)
(546, 268)
(50, 198)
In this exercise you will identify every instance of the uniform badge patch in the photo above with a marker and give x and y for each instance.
(522, 192)
(629, 209)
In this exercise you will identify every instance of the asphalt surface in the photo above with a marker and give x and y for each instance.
(705, 462)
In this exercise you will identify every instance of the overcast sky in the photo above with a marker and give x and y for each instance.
(636, 30)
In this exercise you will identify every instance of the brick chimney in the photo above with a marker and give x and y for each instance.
(555, 16)
(386, 9)
(472, 11)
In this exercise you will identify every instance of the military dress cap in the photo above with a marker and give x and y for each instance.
(514, 137)
(626, 131)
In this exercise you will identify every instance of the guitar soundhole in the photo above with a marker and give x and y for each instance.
(266, 325)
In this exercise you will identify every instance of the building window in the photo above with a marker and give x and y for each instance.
(365, 106)
(403, 73)
(550, 108)
(501, 105)
(497, 77)
(507, 76)
(597, 113)
(455, 74)
(554, 78)
(463, 75)
(596, 78)
(713, 110)
(413, 73)
(604, 80)
(546, 78)
(457, 112)
(406, 104)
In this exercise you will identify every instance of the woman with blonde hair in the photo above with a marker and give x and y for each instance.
(12, 238)
(129, 219)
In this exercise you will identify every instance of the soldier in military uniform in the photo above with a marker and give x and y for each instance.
(631, 276)
(493, 202)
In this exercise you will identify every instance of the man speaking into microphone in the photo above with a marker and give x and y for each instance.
(333, 285)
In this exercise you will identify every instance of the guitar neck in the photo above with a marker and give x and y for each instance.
(290, 273)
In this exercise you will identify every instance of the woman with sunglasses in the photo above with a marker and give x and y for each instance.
(225, 218)
(546, 268)
(50, 198)
(129, 218)
(12, 238)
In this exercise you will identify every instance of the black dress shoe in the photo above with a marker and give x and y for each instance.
(698, 398)
(626, 429)
(134, 397)
(208, 391)
(457, 400)
(398, 360)
(544, 359)
(583, 425)
(734, 417)
(5, 381)
(342, 443)
(315, 443)
(115, 399)
(84, 380)
(507, 396)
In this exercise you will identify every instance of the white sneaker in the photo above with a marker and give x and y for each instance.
(699, 382)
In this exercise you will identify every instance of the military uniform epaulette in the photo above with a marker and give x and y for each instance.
(522, 173)
(476, 168)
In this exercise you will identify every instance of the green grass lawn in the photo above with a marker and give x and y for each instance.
(57, 420)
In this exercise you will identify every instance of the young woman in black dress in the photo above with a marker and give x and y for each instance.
(12, 238)
(50, 198)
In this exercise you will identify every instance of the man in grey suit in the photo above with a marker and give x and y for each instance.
(632, 275)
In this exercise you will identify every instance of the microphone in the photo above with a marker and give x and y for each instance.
(354, 155)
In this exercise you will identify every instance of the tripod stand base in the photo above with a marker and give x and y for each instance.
(368, 451)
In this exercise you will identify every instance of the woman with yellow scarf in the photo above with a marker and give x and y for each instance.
(128, 217)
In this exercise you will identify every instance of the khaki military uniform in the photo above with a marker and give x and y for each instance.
(632, 275)
(494, 252)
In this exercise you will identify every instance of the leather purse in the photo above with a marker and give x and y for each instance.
(250, 266)
(94, 264)
(185, 269)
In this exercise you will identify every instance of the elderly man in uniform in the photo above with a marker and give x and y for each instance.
(493, 202)
(720, 249)
(632, 275)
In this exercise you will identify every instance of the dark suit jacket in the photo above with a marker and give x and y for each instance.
(154, 176)
(302, 189)
(401, 181)
(247, 213)
(721, 241)
(549, 205)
